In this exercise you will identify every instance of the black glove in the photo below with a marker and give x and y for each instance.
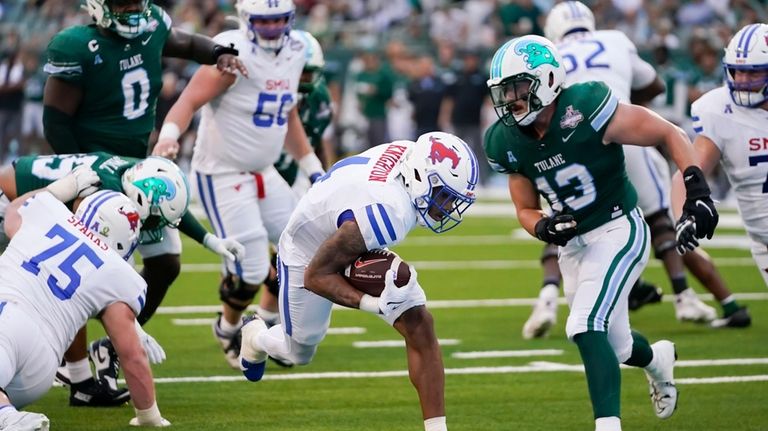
(558, 229)
(698, 205)
(685, 236)
(219, 50)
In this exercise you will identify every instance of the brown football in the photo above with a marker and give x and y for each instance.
(367, 272)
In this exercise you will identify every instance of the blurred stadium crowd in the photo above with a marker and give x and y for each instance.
(395, 68)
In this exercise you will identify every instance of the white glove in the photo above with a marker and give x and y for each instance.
(227, 248)
(392, 297)
(149, 418)
(79, 183)
(155, 352)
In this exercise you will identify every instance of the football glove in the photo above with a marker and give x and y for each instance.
(558, 229)
(685, 236)
(79, 183)
(149, 418)
(227, 248)
(698, 204)
(155, 352)
(393, 297)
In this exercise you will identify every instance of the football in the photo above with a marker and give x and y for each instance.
(367, 272)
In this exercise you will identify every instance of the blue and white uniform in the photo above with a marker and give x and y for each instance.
(742, 138)
(365, 187)
(241, 135)
(54, 276)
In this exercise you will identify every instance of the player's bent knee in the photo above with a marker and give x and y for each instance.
(301, 354)
(236, 293)
(662, 233)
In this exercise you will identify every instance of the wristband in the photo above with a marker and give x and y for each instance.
(370, 304)
(169, 131)
(219, 50)
(310, 165)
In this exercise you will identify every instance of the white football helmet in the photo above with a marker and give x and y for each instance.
(528, 65)
(748, 52)
(114, 218)
(314, 65)
(128, 24)
(568, 17)
(440, 173)
(159, 190)
(268, 36)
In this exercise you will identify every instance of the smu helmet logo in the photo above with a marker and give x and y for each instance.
(440, 152)
(133, 218)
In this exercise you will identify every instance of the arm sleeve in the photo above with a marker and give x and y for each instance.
(493, 143)
(59, 131)
(64, 60)
(191, 227)
(380, 225)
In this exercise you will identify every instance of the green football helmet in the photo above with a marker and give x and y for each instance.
(313, 68)
(129, 24)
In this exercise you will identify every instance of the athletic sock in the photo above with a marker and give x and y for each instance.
(226, 328)
(642, 354)
(79, 371)
(608, 424)
(602, 370)
(729, 305)
(435, 424)
(679, 284)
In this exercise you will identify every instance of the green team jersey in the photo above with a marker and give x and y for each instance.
(315, 113)
(120, 79)
(36, 172)
(570, 167)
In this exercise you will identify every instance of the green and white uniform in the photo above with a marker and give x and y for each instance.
(120, 79)
(315, 113)
(35, 172)
(580, 175)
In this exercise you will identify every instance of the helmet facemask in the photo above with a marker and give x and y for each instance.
(750, 93)
(443, 209)
(310, 78)
(515, 91)
(128, 18)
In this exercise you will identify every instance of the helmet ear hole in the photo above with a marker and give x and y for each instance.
(551, 79)
(417, 175)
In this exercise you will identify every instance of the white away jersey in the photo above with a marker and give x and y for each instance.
(61, 273)
(608, 56)
(243, 129)
(742, 137)
(367, 185)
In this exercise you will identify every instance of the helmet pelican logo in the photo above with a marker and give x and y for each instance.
(156, 189)
(536, 54)
(133, 218)
(440, 152)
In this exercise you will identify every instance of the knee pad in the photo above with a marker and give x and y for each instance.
(550, 251)
(662, 233)
(236, 293)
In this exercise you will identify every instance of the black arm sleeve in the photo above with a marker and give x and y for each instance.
(196, 47)
(59, 131)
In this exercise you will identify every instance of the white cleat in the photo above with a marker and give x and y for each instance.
(252, 358)
(544, 314)
(689, 308)
(25, 421)
(661, 382)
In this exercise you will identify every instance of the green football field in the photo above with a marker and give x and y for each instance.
(480, 279)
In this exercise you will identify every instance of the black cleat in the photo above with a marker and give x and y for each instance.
(89, 393)
(105, 361)
(738, 319)
(643, 293)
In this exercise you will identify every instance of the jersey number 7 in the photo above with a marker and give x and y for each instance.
(754, 161)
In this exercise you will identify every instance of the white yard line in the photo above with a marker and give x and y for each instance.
(506, 354)
(533, 367)
(450, 303)
(399, 343)
(208, 321)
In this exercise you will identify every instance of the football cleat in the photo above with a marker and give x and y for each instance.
(229, 343)
(105, 362)
(252, 359)
(643, 293)
(544, 314)
(62, 375)
(661, 382)
(689, 308)
(89, 393)
(738, 319)
(25, 421)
